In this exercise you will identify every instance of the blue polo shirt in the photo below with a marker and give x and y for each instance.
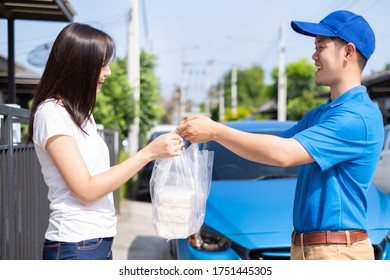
(345, 138)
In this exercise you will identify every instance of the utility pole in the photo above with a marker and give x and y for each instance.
(282, 81)
(208, 87)
(221, 101)
(183, 86)
(148, 40)
(234, 90)
(133, 73)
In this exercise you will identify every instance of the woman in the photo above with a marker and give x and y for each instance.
(74, 159)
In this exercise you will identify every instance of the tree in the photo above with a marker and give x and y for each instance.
(114, 104)
(151, 108)
(297, 107)
(302, 92)
(251, 91)
(250, 86)
(300, 78)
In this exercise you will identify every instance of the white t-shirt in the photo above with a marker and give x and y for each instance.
(70, 220)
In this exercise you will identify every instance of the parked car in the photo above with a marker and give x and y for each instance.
(382, 172)
(140, 189)
(249, 208)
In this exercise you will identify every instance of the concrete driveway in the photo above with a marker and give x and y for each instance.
(136, 237)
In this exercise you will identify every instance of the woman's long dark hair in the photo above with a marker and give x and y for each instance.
(72, 71)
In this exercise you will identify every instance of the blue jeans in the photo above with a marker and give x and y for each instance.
(92, 249)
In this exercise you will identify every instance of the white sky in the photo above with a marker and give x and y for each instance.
(227, 32)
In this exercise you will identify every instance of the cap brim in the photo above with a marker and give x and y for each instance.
(311, 29)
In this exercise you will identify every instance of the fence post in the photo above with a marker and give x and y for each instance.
(9, 202)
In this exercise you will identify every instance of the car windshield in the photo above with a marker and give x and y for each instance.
(229, 166)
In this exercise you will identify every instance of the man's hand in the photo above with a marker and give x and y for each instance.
(198, 129)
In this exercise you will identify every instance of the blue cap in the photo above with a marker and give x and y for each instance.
(346, 25)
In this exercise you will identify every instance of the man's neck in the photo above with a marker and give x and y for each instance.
(338, 89)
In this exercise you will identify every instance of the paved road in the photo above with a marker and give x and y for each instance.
(136, 237)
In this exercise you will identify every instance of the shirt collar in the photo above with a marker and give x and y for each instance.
(346, 96)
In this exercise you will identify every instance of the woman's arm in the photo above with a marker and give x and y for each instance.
(68, 160)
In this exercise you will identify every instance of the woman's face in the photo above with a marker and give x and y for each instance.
(104, 73)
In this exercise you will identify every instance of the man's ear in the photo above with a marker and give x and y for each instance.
(350, 50)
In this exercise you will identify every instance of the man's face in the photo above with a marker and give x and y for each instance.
(328, 59)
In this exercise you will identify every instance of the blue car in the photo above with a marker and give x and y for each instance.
(249, 209)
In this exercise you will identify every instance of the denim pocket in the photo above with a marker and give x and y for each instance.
(51, 244)
(51, 250)
(89, 244)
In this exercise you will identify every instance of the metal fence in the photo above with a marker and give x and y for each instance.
(24, 207)
(111, 137)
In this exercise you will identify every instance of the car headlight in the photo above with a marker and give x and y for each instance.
(209, 240)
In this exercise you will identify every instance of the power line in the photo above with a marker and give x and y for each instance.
(108, 23)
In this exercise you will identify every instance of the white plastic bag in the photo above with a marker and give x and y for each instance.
(179, 188)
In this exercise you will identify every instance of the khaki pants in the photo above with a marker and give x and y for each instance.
(361, 250)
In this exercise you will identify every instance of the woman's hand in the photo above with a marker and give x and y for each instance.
(166, 145)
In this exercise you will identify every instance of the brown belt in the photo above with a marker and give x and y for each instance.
(328, 237)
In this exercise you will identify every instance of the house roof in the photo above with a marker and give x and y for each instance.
(16, 79)
(378, 77)
(50, 10)
(378, 84)
(20, 69)
(26, 79)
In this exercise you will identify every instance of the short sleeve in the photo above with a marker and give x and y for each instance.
(337, 139)
(51, 119)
